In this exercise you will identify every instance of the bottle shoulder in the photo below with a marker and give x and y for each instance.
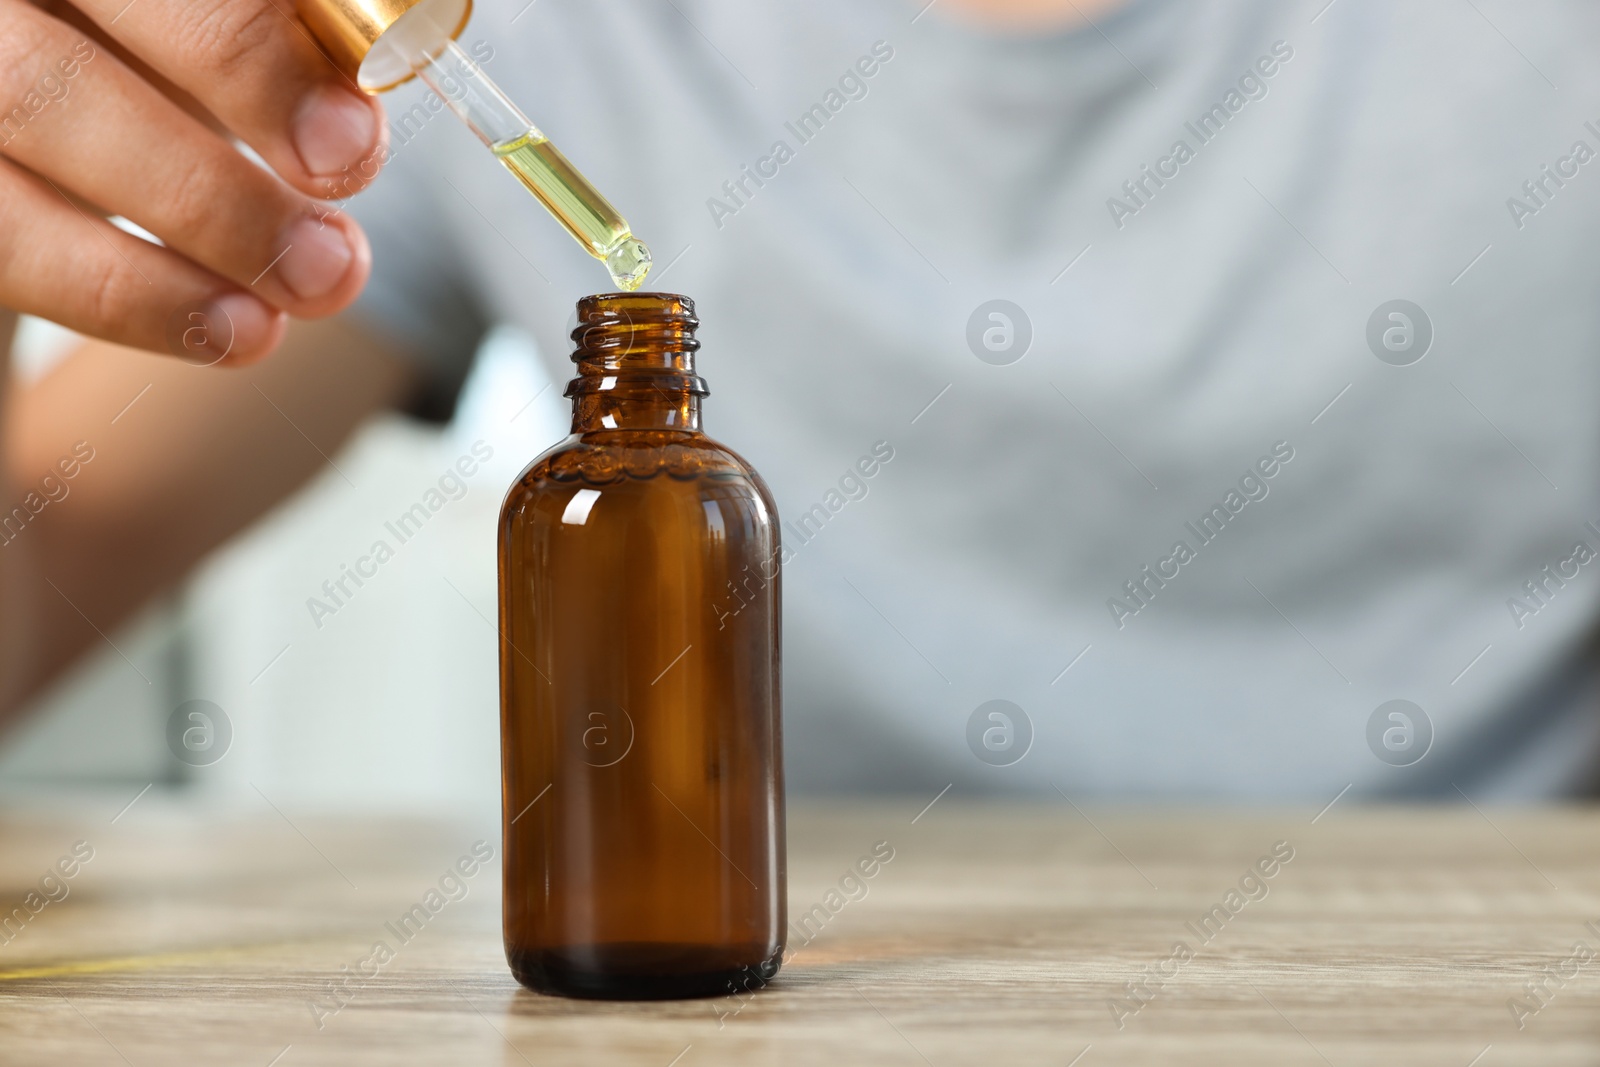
(612, 457)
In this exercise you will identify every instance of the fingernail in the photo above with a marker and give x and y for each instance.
(233, 327)
(315, 260)
(333, 130)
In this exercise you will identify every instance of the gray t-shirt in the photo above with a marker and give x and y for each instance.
(1219, 514)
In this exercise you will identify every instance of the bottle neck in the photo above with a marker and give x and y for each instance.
(627, 410)
(635, 360)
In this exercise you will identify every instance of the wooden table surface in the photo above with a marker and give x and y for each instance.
(996, 935)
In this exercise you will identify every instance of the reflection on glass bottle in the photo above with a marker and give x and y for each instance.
(641, 741)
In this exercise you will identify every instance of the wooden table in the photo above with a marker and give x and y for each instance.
(996, 935)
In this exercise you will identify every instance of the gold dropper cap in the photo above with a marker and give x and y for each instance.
(349, 32)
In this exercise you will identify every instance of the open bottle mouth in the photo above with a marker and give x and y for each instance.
(628, 342)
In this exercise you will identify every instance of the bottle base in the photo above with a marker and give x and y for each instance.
(641, 971)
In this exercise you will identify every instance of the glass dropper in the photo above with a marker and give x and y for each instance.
(386, 43)
(537, 163)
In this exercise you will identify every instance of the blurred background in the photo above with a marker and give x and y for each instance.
(1352, 633)
(364, 717)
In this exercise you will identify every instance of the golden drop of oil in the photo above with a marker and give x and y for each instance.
(629, 263)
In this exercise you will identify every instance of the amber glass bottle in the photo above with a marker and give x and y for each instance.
(639, 693)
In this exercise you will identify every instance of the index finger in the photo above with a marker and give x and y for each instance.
(257, 68)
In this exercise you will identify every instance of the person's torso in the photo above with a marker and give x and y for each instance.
(1198, 208)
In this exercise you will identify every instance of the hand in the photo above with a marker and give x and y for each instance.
(112, 107)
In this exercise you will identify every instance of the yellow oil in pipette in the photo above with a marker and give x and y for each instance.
(527, 153)
(578, 206)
